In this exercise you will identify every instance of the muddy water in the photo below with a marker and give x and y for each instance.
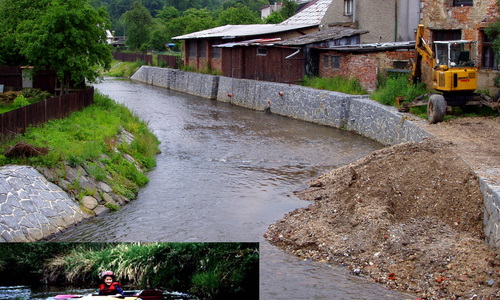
(225, 173)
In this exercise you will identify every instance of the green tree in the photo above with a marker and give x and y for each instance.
(67, 36)
(138, 22)
(12, 13)
(238, 14)
(287, 10)
(168, 13)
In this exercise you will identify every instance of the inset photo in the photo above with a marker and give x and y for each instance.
(131, 271)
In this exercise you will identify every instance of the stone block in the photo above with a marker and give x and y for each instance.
(89, 202)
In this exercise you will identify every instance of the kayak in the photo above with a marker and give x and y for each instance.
(150, 294)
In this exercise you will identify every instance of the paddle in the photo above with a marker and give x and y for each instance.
(67, 296)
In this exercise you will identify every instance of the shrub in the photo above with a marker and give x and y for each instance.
(398, 86)
(20, 101)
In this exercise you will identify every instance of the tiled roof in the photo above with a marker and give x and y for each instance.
(312, 14)
(231, 31)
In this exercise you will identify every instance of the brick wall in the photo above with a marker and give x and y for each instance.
(364, 66)
(471, 20)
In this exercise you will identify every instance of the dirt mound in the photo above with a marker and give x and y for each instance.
(408, 216)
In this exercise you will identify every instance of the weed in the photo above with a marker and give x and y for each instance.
(398, 86)
(337, 83)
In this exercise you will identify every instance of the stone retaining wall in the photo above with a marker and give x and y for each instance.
(32, 207)
(356, 113)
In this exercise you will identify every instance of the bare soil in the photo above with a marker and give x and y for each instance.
(408, 216)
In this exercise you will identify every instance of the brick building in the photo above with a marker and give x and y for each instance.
(464, 19)
(366, 62)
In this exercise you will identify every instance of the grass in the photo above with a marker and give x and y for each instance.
(398, 86)
(209, 270)
(337, 83)
(123, 69)
(88, 138)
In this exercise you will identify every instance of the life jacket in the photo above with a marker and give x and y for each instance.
(109, 289)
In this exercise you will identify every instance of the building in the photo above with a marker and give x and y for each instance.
(386, 21)
(366, 62)
(199, 50)
(280, 60)
(467, 20)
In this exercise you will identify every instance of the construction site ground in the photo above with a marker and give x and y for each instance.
(408, 216)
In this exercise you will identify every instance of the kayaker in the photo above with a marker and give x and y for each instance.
(109, 286)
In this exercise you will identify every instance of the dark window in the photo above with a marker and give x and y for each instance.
(192, 49)
(332, 62)
(202, 49)
(447, 35)
(215, 52)
(462, 2)
(261, 51)
(400, 64)
(488, 55)
(348, 7)
(327, 61)
(336, 62)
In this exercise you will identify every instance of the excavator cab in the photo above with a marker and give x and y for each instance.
(455, 69)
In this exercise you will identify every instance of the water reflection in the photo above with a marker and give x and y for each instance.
(225, 173)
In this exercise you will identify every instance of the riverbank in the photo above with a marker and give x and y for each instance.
(94, 161)
(408, 216)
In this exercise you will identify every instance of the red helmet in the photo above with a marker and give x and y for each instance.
(108, 273)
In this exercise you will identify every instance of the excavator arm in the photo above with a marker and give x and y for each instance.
(423, 53)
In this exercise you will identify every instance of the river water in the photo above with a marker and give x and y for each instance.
(224, 174)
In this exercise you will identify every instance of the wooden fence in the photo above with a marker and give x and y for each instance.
(168, 61)
(16, 121)
(132, 57)
(12, 79)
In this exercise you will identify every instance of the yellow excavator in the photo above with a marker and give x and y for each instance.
(454, 76)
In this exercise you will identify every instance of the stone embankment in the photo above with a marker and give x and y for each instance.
(351, 112)
(35, 204)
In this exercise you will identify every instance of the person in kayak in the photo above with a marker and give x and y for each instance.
(109, 286)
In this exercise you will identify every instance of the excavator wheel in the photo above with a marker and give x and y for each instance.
(436, 108)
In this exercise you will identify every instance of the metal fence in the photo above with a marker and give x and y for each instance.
(16, 121)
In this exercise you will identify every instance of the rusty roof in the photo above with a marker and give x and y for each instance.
(332, 33)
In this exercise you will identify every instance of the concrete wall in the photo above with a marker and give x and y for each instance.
(357, 113)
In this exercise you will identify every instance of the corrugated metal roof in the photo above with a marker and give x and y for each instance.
(231, 31)
(312, 14)
(255, 42)
(372, 47)
(331, 33)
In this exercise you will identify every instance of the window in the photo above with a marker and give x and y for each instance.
(192, 49)
(348, 7)
(488, 55)
(216, 52)
(202, 49)
(446, 35)
(462, 3)
(261, 51)
(332, 62)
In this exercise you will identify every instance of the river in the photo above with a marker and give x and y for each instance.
(224, 174)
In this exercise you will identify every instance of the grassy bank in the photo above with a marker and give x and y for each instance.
(88, 138)
(337, 83)
(123, 69)
(208, 270)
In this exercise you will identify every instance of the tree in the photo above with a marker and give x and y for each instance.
(68, 37)
(287, 10)
(238, 14)
(12, 13)
(138, 22)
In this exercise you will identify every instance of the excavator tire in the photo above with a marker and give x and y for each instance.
(436, 108)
